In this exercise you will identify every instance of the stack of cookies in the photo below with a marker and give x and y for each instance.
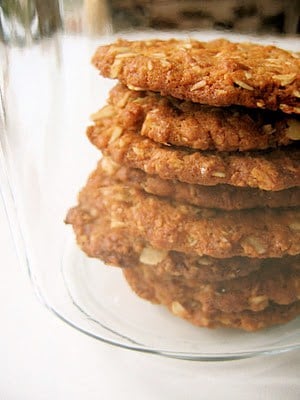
(197, 194)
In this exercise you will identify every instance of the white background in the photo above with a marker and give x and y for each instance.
(43, 358)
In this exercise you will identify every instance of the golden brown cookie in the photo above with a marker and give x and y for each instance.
(224, 197)
(219, 73)
(99, 237)
(273, 170)
(181, 302)
(116, 247)
(113, 244)
(171, 225)
(279, 284)
(230, 285)
(182, 123)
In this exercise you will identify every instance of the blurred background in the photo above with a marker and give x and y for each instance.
(25, 20)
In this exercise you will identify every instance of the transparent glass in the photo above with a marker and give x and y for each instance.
(48, 91)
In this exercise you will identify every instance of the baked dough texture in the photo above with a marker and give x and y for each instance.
(267, 170)
(177, 122)
(218, 73)
(169, 293)
(170, 225)
(197, 195)
(225, 197)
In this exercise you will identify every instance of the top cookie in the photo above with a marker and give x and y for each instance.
(218, 73)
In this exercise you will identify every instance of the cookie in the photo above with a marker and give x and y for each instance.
(232, 284)
(229, 285)
(218, 73)
(255, 292)
(100, 237)
(181, 302)
(115, 245)
(273, 170)
(224, 197)
(182, 123)
(171, 225)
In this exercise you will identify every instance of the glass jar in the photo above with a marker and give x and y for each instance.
(48, 90)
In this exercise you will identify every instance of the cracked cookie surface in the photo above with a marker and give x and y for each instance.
(171, 225)
(220, 196)
(171, 121)
(276, 169)
(219, 73)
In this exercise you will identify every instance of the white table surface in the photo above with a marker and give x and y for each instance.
(43, 358)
